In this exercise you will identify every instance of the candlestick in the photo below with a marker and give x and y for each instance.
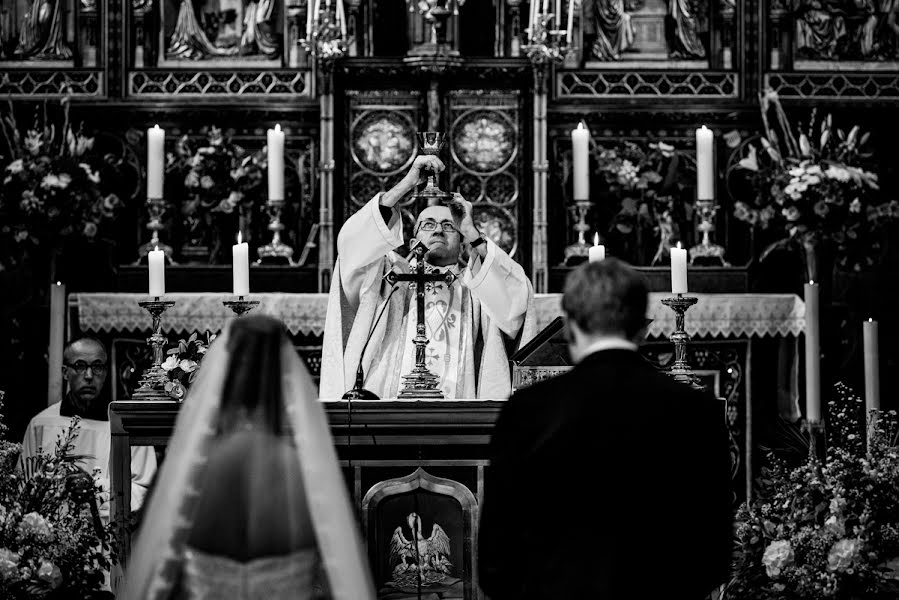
(241, 306)
(580, 147)
(597, 251)
(156, 267)
(275, 144)
(240, 259)
(151, 385)
(870, 333)
(276, 251)
(155, 161)
(705, 165)
(812, 353)
(56, 342)
(681, 370)
(678, 270)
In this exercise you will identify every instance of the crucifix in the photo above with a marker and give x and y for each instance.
(420, 383)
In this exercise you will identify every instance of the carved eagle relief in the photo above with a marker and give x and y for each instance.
(427, 558)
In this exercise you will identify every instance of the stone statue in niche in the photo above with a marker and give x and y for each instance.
(644, 29)
(42, 35)
(820, 30)
(865, 30)
(608, 24)
(213, 29)
(686, 19)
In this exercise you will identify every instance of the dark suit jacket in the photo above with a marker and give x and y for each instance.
(611, 481)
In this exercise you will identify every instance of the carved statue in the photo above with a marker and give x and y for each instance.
(189, 41)
(878, 35)
(820, 29)
(683, 27)
(257, 23)
(609, 26)
(42, 36)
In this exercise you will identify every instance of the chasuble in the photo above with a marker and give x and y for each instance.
(473, 325)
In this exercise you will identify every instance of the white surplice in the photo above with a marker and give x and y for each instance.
(472, 325)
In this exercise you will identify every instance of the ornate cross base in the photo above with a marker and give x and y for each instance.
(421, 383)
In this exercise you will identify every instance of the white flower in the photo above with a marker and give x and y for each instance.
(751, 161)
(94, 176)
(778, 555)
(206, 182)
(36, 525)
(234, 198)
(812, 179)
(838, 173)
(187, 365)
(855, 206)
(170, 363)
(16, 166)
(9, 564)
(192, 179)
(843, 555)
(797, 171)
(835, 526)
(813, 170)
(50, 573)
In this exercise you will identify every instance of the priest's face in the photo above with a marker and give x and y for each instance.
(437, 230)
(85, 368)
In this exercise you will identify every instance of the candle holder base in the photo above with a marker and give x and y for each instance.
(156, 208)
(421, 383)
(144, 251)
(576, 253)
(706, 253)
(579, 251)
(275, 252)
(681, 370)
(151, 386)
(240, 307)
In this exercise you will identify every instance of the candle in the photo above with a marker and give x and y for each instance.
(275, 139)
(240, 257)
(56, 342)
(872, 364)
(341, 17)
(812, 353)
(532, 14)
(156, 262)
(155, 161)
(705, 164)
(570, 28)
(678, 270)
(309, 12)
(580, 146)
(597, 251)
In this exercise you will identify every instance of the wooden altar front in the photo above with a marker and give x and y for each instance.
(398, 457)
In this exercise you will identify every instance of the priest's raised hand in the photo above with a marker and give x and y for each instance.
(471, 324)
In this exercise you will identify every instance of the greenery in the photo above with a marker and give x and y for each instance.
(826, 528)
(52, 543)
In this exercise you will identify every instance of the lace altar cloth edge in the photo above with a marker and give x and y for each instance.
(715, 315)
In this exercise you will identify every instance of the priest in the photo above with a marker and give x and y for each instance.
(472, 324)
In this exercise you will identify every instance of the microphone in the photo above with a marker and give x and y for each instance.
(359, 392)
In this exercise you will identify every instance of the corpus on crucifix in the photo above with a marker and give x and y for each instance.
(450, 334)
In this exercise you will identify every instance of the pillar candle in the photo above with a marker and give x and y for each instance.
(56, 342)
(240, 255)
(812, 353)
(678, 270)
(872, 364)
(705, 164)
(155, 161)
(341, 17)
(275, 143)
(156, 262)
(597, 251)
(580, 145)
(570, 28)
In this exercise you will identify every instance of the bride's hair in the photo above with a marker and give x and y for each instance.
(252, 391)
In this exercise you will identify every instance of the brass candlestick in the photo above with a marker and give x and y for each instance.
(431, 143)
(706, 251)
(240, 307)
(579, 250)
(156, 209)
(681, 370)
(151, 385)
(276, 251)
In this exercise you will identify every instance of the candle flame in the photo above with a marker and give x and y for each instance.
(239, 237)
(60, 283)
(704, 128)
(156, 249)
(156, 126)
(596, 239)
(870, 320)
(581, 125)
(277, 127)
(679, 247)
(811, 282)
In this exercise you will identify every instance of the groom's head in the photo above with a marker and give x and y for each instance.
(604, 299)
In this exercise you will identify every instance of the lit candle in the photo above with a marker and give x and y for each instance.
(156, 262)
(812, 353)
(678, 270)
(872, 364)
(155, 161)
(705, 164)
(580, 146)
(275, 142)
(57, 341)
(570, 29)
(597, 251)
(240, 257)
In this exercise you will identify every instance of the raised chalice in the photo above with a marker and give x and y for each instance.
(431, 143)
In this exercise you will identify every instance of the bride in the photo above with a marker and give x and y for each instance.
(250, 500)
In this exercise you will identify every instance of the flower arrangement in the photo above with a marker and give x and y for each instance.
(182, 363)
(52, 184)
(51, 541)
(826, 529)
(219, 177)
(814, 185)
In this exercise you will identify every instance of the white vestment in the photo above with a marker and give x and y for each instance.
(93, 442)
(472, 326)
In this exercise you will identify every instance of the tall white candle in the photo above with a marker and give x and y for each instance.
(532, 19)
(309, 11)
(597, 251)
(341, 17)
(812, 352)
(705, 164)
(275, 143)
(156, 263)
(155, 161)
(56, 342)
(872, 364)
(570, 28)
(580, 147)
(240, 257)
(678, 270)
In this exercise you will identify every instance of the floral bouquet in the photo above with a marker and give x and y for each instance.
(826, 529)
(219, 178)
(51, 185)
(813, 185)
(52, 542)
(182, 363)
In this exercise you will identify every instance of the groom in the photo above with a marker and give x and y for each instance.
(658, 524)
